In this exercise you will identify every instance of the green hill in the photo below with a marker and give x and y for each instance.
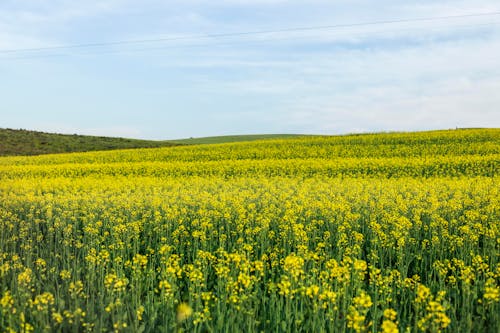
(24, 142)
(233, 138)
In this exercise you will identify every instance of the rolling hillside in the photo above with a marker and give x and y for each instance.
(19, 142)
(234, 138)
(24, 142)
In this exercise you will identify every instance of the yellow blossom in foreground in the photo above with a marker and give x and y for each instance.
(139, 312)
(389, 327)
(184, 311)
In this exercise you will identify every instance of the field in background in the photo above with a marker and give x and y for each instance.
(25, 143)
(362, 233)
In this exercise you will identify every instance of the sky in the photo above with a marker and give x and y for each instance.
(191, 68)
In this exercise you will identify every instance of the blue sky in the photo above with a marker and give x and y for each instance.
(383, 77)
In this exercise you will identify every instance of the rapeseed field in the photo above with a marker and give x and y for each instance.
(394, 232)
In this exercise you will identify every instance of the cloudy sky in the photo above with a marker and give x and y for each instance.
(173, 69)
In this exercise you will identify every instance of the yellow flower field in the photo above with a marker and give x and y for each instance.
(360, 233)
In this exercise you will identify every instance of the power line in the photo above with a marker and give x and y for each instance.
(246, 33)
(227, 43)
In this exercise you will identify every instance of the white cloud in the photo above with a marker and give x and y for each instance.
(397, 76)
(435, 85)
(447, 103)
(40, 23)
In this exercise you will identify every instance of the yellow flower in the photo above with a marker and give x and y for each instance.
(42, 302)
(312, 291)
(423, 293)
(24, 278)
(491, 292)
(7, 302)
(65, 274)
(57, 317)
(390, 314)
(294, 265)
(184, 311)
(114, 283)
(75, 289)
(140, 261)
(284, 286)
(363, 300)
(244, 280)
(139, 312)
(389, 327)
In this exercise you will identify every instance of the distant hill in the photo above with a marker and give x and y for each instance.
(234, 138)
(24, 142)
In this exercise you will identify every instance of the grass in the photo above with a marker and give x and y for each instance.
(25, 142)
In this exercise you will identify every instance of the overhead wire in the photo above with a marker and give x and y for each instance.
(245, 33)
(239, 43)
